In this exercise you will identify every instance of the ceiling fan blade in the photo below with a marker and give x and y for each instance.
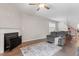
(38, 9)
(46, 7)
(32, 4)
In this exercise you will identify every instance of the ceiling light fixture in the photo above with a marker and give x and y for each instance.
(41, 5)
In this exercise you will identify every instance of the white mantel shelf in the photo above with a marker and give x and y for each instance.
(8, 28)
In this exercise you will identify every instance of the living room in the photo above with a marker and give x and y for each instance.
(33, 22)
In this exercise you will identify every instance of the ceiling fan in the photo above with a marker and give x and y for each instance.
(40, 5)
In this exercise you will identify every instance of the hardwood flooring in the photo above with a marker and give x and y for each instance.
(17, 52)
(68, 50)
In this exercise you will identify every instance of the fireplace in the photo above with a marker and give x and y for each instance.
(11, 40)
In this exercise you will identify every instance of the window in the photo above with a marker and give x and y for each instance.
(78, 26)
(52, 26)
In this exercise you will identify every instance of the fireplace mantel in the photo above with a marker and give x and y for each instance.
(6, 30)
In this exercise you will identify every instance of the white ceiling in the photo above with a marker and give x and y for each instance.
(56, 9)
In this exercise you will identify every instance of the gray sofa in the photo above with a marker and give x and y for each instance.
(53, 35)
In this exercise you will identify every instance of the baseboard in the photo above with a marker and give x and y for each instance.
(33, 40)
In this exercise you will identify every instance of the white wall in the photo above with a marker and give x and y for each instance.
(9, 22)
(34, 27)
(9, 16)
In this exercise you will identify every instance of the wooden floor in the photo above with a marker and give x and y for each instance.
(17, 52)
(68, 50)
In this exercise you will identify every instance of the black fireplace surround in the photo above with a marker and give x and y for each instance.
(11, 40)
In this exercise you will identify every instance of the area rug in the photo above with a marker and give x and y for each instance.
(41, 49)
